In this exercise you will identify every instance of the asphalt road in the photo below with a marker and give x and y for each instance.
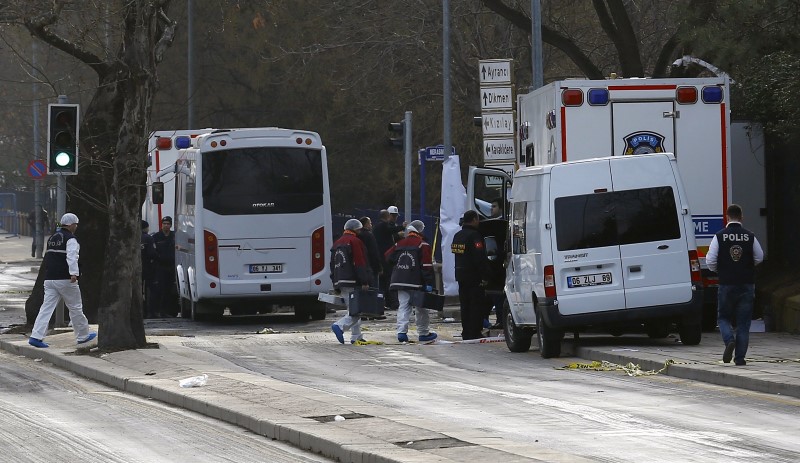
(47, 414)
(603, 416)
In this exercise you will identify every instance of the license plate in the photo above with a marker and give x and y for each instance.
(266, 268)
(589, 280)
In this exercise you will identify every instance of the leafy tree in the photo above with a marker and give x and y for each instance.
(121, 43)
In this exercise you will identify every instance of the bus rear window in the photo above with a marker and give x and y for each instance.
(262, 181)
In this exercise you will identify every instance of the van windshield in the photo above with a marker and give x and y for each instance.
(616, 218)
(262, 180)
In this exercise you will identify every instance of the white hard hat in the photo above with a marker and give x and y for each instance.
(69, 218)
(352, 224)
(393, 210)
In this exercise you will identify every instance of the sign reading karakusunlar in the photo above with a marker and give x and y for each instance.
(497, 110)
(498, 149)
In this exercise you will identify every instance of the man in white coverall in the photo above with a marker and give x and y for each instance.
(61, 282)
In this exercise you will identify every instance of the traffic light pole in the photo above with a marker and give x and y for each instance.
(61, 209)
(408, 154)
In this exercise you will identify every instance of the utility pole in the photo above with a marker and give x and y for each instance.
(447, 139)
(536, 44)
(408, 151)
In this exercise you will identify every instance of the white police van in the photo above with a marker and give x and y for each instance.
(599, 242)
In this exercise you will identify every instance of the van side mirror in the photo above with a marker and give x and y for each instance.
(491, 247)
(157, 192)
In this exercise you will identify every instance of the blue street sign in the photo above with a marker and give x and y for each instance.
(435, 153)
(37, 169)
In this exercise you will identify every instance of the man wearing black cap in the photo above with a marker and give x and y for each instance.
(149, 259)
(165, 299)
(472, 275)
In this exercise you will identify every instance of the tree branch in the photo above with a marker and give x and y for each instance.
(549, 36)
(40, 27)
(167, 36)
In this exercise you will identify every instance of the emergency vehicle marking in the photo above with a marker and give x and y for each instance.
(643, 143)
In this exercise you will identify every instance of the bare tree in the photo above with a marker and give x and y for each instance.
(123, 49)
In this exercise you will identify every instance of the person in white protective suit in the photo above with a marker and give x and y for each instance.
(61, 282)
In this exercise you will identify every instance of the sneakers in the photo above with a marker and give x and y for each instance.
(728, 354)
(740, 363)
(88, 338)
(428, 337)
(37, 343)
(338, 332)
(402, 337)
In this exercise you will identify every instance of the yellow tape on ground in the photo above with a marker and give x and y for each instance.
(631, 369)
(363, 342)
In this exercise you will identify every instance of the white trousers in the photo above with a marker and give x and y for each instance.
(347, 322)
(71, 294)
(423, 318)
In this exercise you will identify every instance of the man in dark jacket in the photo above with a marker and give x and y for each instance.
(413, 270)
(149, 262)
(373, 257)
(165, 294)
(387, 232)
(734, 253)
(472, 275)
(349, 270)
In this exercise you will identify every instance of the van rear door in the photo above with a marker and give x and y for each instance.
(586, 256)
(652, 236)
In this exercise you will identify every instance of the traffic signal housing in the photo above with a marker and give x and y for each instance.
(62, 139)
(397, 140)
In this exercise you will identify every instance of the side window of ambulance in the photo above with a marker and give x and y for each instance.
(518, 245)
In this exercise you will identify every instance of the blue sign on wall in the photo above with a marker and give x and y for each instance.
(706, 226)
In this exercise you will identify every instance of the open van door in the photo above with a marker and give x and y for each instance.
(486, 187)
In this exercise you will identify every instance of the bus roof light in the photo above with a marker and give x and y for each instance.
(308, 141)
(183, 142)
(223, 142)
(598, 96)
(712, 94)
(299, 141)
(164, 143)
(686, 95)
(572, 97)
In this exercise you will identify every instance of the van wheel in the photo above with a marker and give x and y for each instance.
(549, 339)
(690, 332)
(518, 339)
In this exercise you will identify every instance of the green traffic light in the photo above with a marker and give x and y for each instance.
(63, 159)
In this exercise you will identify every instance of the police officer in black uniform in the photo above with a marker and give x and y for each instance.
(734, 253)
(165, 297)
(471, 274)
(149, 262)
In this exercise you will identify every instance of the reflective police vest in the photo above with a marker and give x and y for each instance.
(55, 258)
(735, 264)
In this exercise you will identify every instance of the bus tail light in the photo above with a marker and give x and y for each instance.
(694, 267)
(549, 281)
(318, 250)
(211, 253)
(572, 97)
(686, 95)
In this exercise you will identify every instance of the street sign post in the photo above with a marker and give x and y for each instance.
(499, 149)
(434, 153)
(500, 124)
(496, 98)
(495, 71)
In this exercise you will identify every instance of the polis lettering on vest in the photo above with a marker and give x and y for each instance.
(735, 237)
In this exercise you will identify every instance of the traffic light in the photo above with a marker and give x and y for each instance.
(399, 129)
(62, 139)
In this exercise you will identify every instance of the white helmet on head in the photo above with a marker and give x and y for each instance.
(68, 219)
(353, 224)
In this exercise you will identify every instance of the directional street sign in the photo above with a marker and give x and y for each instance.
(496, 98)
(498, 124)
(498, 149)
(495, 71)
(37, 169)
(435, 153)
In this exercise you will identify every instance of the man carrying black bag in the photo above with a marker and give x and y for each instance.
(349, 270)
(413, 270)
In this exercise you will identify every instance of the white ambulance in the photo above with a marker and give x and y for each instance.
(571, 120)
